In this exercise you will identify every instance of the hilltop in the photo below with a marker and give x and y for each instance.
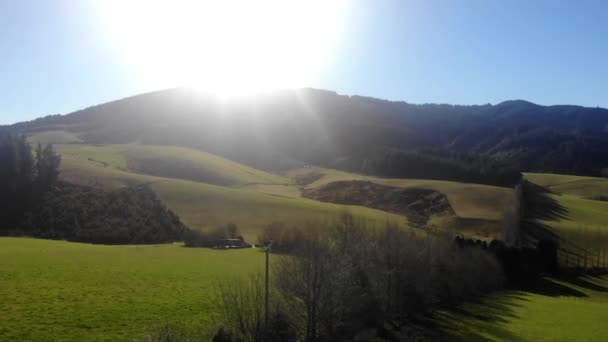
(285, 129)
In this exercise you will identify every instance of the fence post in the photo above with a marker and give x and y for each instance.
(585, 262)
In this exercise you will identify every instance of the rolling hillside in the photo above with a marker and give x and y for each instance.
(171, 162)
(207, 190)
(203, 205)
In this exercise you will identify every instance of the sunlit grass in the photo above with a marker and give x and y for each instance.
(62, 291)
(128, 156)
(559, 311)
(586, 187)
(206, 206)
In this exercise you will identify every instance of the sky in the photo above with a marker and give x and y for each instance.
(58, 56)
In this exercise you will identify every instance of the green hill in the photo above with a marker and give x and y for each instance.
(288, 128)
(478, 208)
(172, 162)
(203, 205)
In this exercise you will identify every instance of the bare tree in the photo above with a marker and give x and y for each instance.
(242, 303)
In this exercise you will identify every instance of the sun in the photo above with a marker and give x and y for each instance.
(225, 47)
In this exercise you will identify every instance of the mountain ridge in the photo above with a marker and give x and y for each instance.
(312, 126)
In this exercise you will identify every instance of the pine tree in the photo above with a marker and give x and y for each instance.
(47, 167)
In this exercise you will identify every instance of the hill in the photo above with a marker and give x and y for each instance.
(171, 162)
(204, 205)
(477, 209)
(253, 198)
(283, 129)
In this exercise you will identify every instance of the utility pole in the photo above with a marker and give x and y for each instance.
(266, 303)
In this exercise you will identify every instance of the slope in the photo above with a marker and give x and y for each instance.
(478, 208)
(204, 206)
(288, 128)
(172, 162)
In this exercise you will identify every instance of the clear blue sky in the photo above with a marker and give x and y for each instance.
(55, 59)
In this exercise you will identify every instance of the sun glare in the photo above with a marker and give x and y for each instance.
(225, 47)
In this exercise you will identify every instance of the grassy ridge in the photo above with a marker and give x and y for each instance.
(62, 291)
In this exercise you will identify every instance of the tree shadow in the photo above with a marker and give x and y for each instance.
(472, 321)
(487, 319)
(481, 321)
(589, 283)
(540, 207)
(548, 287)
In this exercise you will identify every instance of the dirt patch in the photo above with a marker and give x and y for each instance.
(418, 205)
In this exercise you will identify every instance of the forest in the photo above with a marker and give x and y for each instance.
(38, 204)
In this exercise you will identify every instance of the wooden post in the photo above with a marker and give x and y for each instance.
(266, 299)
(585, 262)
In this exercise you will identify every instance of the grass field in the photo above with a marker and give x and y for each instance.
(62, 291)
(584, 187)
(56, 290)
(205, 206)
(587, 221)
(559, 310)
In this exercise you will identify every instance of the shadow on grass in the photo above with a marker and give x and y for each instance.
(480, 321)
(588, 283)
(551, 288)
(488, 318)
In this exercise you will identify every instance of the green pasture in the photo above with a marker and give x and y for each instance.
(63, 291)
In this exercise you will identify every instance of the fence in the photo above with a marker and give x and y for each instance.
(572, 256)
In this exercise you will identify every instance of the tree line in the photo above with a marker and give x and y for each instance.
(338, 281)
(25, 176)
(443, 165)
(35, 203)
